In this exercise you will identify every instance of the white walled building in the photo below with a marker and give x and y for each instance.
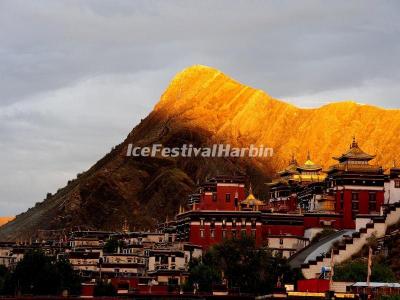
(392, 186)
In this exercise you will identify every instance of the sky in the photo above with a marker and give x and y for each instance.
(77, 76)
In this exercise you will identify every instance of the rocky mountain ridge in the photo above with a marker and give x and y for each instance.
(202, 106)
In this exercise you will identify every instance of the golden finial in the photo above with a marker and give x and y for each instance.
(354, 144)
(250, 189)
(293, 160)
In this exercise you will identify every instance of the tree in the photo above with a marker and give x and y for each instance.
(102, 289)
(3, 274)
(69, 279)
(38, 274)
(204, 275)
(322, 234)
(356, 270)
(244, 266)
(112, 245)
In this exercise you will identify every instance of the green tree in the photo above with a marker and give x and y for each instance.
(204, 275)
(69, 279)
(3, 274)
(322, 234)
(111, 246)
(356, 270)
(243, 265)
(103, 289)
(38, 274)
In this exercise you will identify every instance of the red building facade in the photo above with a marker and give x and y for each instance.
(311, 199)
(217, 212)
(358, 186)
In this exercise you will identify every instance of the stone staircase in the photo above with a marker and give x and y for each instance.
(353, 244)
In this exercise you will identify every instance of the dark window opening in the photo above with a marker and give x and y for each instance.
(214, 197)
(228, 197)
(354, 205)
(212, 233)
(341, 200)
(372, 201)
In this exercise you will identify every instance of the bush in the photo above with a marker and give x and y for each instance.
(245, 266)
(102, 289)
(356, 270)
(324, 233)
(38, 274)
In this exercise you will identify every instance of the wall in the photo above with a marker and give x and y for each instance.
(378, 230)
(207, 240)
(313, 285)
(392, 194)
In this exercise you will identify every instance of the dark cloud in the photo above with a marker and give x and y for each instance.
(76, 76)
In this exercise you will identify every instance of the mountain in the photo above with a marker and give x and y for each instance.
(203, 106)
(4, 220)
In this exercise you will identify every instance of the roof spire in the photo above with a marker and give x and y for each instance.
(308, 155)
(354, 144)
(293, 160)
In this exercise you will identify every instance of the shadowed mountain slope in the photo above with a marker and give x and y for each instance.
(202, 106)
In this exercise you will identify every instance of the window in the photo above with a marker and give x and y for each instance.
(354, 202)
(212, 233)
(228, 197)
(280, 241)
(341, 200)
(233, 222)
(223, 223)
(243, 232)
(202, 233)
(253, 233)
(212, 224)
(234, 234)
(354, 205)
(202, 222)
(253, 223)
(223, 234)
(372, 201)
(397, 183)
(214, 197)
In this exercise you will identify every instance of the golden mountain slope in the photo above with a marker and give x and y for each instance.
(5, 220)
(203, 106)
(206, 97)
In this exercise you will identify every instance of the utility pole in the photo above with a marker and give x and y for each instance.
(369, 267)
(332, 265)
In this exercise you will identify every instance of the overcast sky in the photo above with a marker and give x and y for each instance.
(77, 76)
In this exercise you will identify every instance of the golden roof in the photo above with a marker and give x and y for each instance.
(312, 178)
(309, 165)
(291, 168)
(251, 200)
(355, 153)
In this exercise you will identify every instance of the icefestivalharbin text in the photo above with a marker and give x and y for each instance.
(188, 150)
